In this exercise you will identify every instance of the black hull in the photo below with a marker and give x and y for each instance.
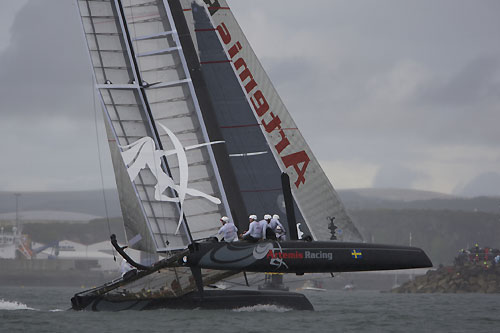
(211, 300)
(305, 257)
(265, 256)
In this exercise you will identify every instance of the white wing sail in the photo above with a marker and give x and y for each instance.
(153, 117)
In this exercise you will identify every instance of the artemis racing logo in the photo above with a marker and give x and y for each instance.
(271, 254)
(277, 256)
(284, 255)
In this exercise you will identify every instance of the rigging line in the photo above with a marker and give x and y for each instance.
(100, 164)
(148, 241)
(156, 92)
(95, 118)
(127, 41)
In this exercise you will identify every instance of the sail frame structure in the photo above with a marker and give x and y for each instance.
(136, 109)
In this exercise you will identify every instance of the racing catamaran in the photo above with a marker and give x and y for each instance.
(196, 132)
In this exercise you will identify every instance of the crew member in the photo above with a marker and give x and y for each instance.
(280, 234)
(278, 228)
(127, 270)
(228, 230)
(267, 230)
(254, 232)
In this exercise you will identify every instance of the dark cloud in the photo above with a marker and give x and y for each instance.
(423, 69)
(464, 108)
(6, 17)
(386, 84)
(46, 97)
(478, 81)
(46, 60)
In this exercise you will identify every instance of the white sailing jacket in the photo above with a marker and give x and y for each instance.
(275, 223)
(254, 230)
(229, 232)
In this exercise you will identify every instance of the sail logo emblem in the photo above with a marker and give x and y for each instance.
(268, 251)
(143, 154)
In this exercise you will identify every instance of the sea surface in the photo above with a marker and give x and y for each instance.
(44, 309)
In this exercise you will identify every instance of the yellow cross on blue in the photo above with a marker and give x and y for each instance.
(355, 254)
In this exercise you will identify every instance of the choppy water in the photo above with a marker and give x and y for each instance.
(44, 310)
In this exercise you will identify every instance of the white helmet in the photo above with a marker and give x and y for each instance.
(224, 219)
(253, 217)
(276, 217)
(267, 217)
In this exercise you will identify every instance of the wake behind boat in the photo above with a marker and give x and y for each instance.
(312, 285)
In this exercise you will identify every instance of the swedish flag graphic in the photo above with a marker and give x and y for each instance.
(356, 254)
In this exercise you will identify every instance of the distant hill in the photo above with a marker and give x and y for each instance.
(84, 202)
(441, 233)
(42, 216)
(397, 194)
(92, 203)
(355, 199)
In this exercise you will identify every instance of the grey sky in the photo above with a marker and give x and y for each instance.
(387, 93)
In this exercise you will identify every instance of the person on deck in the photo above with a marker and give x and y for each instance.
(127, 270)
(280, 234)
(228, 230)
(267, 230)
(254, 232)
(278, 228)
